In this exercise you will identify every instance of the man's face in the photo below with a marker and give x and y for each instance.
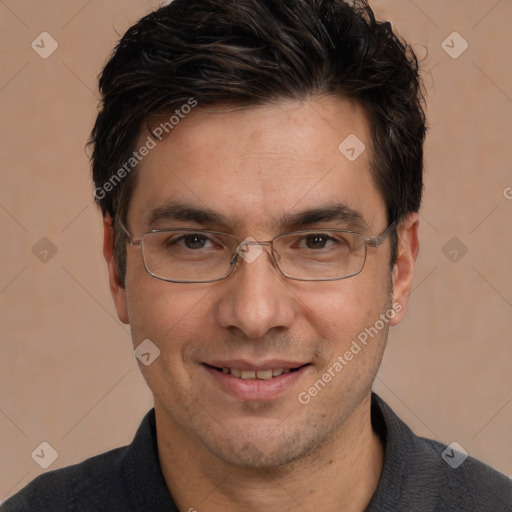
(253, 167)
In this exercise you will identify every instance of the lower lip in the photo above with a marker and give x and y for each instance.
(256, 389)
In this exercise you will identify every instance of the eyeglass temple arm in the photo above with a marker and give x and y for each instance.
(131, 240)
(377, 240)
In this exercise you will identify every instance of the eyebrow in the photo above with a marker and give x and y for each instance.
(338, 212)
(177, 211)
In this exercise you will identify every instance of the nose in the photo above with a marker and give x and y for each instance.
(255, 298)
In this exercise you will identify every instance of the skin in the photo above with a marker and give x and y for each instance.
(252, 165)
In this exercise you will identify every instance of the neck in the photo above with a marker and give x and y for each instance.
(342, 474)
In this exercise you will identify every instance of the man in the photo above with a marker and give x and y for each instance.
(258, 164)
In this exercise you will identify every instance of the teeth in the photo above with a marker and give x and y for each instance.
(260, 375)
(264, 374)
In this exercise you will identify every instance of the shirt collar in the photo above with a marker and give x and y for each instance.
(148, 490)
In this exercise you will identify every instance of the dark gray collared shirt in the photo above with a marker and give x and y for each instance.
(415, 478)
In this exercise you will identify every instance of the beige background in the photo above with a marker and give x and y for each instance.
(67, 372)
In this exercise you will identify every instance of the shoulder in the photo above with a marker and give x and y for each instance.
(422, 474)
(84, 486)
(121, 480)
(460, 482)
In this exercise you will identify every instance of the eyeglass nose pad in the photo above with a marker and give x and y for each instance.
(277, 257)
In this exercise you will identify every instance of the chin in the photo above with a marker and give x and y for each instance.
(264, 448)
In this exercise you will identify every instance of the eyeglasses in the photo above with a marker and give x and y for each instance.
(203, 256)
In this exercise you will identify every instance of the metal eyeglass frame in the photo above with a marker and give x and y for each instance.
(235, 258)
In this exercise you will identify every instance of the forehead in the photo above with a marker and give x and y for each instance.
(256, 165)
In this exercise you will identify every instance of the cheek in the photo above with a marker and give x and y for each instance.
(162, 310)
(170, 317)
(341, 309)
(354, 327)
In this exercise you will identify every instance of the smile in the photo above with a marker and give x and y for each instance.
(263, 381)
(260, 374)
(258, 380)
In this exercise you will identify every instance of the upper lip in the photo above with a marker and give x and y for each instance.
(242, 364)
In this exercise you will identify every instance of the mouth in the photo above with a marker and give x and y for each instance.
(260, 382)
(266, 374)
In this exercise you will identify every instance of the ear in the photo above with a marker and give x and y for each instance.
(403, 270)
(117, 288)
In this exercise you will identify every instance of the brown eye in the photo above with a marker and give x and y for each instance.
(316, 241)
(194, 241)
